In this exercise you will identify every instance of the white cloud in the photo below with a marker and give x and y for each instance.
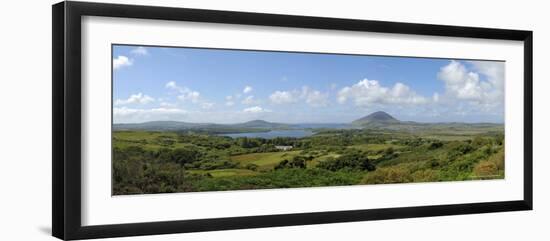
(192, 96)
(469, 85)
(247, 89)
(314, 97)
(459, 82)
(367, 92)
(282, 97)
(185, 94)
(229, 100)
(131, 115)
(317, 99)
(493, 70)
(249, 100)
(125, 111)
(172, 85)
(168, 111)
(494, 73)
(166, 104)
(138, 98)
(207, 105)
(121, 61)
(402, 94)
(140, 51)
(311, 97)
(255, 109)
(435, 97)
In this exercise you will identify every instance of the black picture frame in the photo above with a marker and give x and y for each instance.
(66, 127)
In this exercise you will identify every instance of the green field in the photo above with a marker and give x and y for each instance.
(171, 161)
(225, 172)
(265, 161)
(376, 147)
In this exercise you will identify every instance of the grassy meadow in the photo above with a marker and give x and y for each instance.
(187, 161)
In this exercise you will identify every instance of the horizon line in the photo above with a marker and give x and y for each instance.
(296, 123)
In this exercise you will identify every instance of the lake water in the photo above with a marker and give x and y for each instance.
(272, 134)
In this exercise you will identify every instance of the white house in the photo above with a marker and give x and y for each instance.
(284, 148)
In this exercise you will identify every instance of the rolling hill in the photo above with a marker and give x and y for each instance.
(260, 124)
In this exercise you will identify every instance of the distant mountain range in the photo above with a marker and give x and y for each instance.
(376, 120)
(260, 124)
(222, 128)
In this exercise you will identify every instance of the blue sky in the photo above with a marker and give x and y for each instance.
(230, 86)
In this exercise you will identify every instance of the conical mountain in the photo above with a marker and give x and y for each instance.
(379, 117)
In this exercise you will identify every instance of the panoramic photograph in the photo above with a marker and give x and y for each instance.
(199, 119)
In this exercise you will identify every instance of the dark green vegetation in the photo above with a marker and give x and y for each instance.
(188, 160)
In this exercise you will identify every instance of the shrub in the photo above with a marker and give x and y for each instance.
(425, 176)
(350, 161)
(491, 168)
(297, 162)
(485, 169)
(388, 175)
(251, 166)
(435, 145)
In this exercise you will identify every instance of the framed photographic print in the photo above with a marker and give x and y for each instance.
(170, 120)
